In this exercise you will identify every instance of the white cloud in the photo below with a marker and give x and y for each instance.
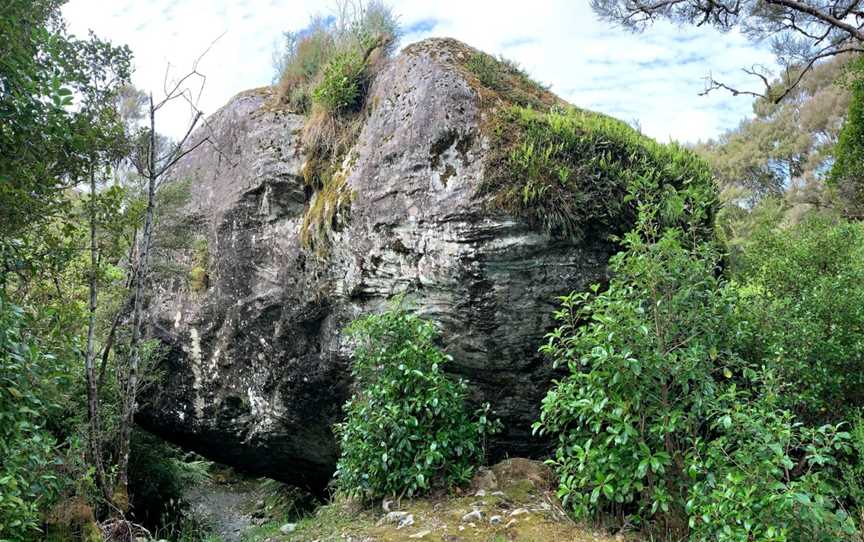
(653, 78)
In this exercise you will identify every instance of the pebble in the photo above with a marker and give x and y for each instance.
(474, 515)
(393, 517)
(288, 528)
(518, 512)
(495, 520)
(406, 521)
(480, 493)
(421, 534)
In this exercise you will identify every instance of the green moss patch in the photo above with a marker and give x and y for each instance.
(326, 212)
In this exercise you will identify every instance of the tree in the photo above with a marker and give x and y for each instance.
(801, 33)
(846, 173)
(153, 164)
(774, 165)
(104, 141)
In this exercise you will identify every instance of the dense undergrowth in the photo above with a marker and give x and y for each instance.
(710, 405)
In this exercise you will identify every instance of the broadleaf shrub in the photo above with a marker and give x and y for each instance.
(407, 429)
(28, 481)
(669, 418)
(803, 290)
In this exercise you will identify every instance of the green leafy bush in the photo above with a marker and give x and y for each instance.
(762, 475)
(668, 418)
(803, 293)
(28, 380)
(407, 429)
(342, 81)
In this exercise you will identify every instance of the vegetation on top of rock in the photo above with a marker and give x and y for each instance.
(326, 72)
(569, 171)
(310, 59)
(407, 429)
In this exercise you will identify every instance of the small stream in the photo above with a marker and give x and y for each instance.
(228, 508)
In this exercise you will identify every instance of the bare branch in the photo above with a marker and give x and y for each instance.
(181, 155)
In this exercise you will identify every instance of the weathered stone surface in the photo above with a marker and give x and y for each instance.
(258, 370)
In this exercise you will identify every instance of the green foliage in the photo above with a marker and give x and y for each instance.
(46, 145)
(342, 83)
(158, 475)
(329, 61)
(668, 416)
(27, 380)
(765, 476)
(852, 473)
(802, 293)
(568, 170)
(407, 429)
(774, 166)
(846, 173)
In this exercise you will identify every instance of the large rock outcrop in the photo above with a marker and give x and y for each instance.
(257, 371)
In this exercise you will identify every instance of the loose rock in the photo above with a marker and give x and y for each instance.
(474, 515)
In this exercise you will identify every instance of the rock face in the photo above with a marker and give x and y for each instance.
(258, 370)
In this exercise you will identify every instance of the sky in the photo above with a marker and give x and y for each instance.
(651, 79)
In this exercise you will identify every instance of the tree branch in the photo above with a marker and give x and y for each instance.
(802, 7)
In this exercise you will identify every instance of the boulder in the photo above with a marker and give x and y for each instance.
(257, 369)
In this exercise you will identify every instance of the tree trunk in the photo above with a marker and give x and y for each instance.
(128, 413)
(94, 429)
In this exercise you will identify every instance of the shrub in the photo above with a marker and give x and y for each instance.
(765, 476)
(28, 381)
(341, 83)
(666, 418)
(803, 293)
(852, 473)
(407, 429)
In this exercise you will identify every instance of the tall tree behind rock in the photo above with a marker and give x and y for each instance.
(777, 162)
